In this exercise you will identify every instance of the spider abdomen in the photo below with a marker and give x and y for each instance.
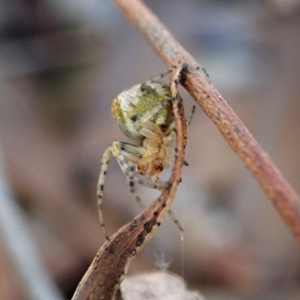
(132, 104)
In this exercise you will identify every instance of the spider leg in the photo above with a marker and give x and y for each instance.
(171, 214)
(175, 220)
(132, 191)
(170, 133)
(115, 151)
(159, 76)
(188, 123)
(190, 116)
(133, 153)
(143, 206)
(151, 182)
(100, 187)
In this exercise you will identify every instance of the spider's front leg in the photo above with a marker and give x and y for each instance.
(131, 153)
(114, 150)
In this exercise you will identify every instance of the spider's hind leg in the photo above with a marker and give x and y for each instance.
(115, 150)
(131, 185)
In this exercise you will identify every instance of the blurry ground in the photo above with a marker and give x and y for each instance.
(61, 63)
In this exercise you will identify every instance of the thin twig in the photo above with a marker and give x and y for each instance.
(284, 198)
(110, 265)
(35, 280)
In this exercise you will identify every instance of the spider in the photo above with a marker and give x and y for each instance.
(144, 114)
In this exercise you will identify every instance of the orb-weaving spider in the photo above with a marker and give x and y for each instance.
(144, 114)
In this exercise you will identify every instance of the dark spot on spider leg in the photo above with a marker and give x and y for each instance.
(205, 72)
(179, 104)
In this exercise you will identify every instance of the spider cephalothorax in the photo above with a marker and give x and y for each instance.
(144, 114)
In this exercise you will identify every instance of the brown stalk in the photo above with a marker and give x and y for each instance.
(110, 265)
(277, 189)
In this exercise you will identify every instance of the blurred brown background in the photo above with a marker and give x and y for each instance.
(61, 64)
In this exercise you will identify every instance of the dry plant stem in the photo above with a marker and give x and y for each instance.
(284, 198)
(110, 265)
